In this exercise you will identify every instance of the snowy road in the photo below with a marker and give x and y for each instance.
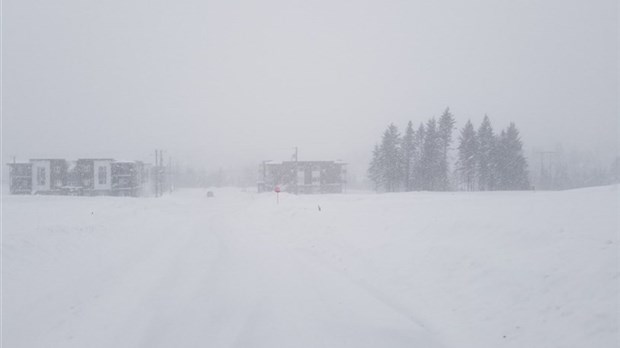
(424, 270)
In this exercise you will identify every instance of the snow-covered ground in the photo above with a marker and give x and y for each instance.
(501, 269)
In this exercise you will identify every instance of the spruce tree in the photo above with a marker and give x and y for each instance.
(408, 156)
(486, 152)
(417, 172)
(446, 126)
(511, 163)
(614, 171)
(431, 157)
(392, 159)
(468, 156)
(500, 160)
(375, 168)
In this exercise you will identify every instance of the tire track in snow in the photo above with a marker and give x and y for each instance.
(318, 267)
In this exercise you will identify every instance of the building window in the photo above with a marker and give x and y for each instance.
(301, 176)
(40, 176)
(316, 177)
(308, 176)
(103, 175)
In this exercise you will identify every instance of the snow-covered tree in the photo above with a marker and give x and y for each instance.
(468, 156)
(444, 133)
(420, 159)
(430, 160)
(408, 147)
(375, 169)
(486, 154)
(614, 171)
(511, 166)
(386, 166)
(417, 171)
(392, 159)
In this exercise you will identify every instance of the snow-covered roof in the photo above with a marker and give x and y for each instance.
(95, 159)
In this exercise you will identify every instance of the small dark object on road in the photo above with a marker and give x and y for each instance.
(210, 194)
(319, 208)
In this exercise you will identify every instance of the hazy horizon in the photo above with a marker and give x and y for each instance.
(223, 84)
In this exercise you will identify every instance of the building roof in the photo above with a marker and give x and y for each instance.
(95, 159)
(314, 162)
(46, 159)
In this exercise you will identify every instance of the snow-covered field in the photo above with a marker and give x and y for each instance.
(501, 269)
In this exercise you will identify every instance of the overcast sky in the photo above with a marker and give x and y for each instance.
(226, 83)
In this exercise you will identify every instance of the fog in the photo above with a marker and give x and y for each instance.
(363, 241)
(224, 84)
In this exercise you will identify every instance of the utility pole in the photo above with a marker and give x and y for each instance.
(156, 172)
(170, 185)
(162, 185)
(159, 172)
(296, 170)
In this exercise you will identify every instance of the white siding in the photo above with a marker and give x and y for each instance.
(41, 183)
(103, 177)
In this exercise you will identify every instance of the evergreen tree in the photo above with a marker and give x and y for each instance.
(375, 168)
(614, 171)
(430, 160)
(418, 141)
(392, 159)
(446, 126)
(408, 156)
(486, 152)
(468, 156)
(511, 167)
(420, 159)
(500, 161)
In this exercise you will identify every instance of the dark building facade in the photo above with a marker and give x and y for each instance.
(303, 177)
(89, 176)
(20, 178)
(94, 176)
(128, 178)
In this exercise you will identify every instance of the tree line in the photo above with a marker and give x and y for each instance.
(420, 158)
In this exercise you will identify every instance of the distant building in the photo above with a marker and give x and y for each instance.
(303, 177)
(48, 175)
(20, 178)
(129, 178)
(87, 176)
(95, 176)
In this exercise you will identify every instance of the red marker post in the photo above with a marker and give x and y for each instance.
(277, 190)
